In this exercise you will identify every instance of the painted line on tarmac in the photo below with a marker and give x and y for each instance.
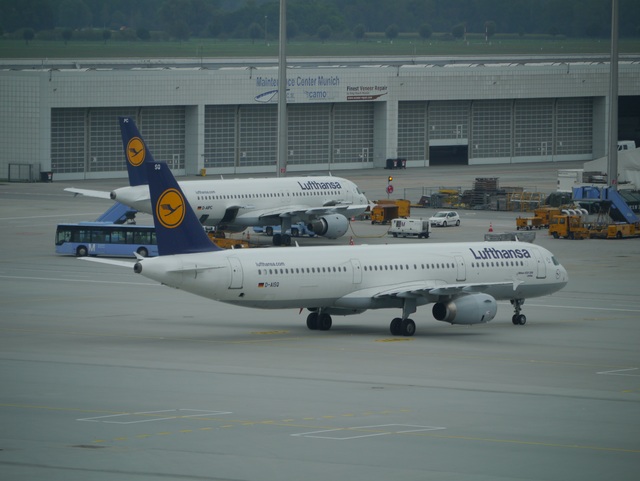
(621, 372)
(84, 281)
(608, 309)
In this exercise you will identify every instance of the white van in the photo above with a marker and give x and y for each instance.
(404, 227)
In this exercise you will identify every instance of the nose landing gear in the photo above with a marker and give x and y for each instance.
(518, 319)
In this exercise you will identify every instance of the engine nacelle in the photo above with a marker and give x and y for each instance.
(331, 226)
(471, 309)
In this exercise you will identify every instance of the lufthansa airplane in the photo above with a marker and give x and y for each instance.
(463, 280)
(324, 203)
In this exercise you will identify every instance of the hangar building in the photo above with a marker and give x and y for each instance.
(221, 115)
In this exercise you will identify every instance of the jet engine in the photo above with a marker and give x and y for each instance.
(331, 226)
(471, 309)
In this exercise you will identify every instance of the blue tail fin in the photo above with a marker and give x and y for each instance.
(178, 230)
(136, 152)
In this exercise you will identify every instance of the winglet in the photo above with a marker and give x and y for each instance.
(178, 230)
(136, 153)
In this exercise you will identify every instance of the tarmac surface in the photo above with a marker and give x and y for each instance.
(108, 376)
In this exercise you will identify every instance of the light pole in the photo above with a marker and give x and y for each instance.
(265, 30)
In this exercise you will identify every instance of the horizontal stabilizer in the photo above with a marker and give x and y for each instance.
(112, 262)
(98, 194)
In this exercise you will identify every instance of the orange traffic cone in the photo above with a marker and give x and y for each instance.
(351, 241)
(490, 227)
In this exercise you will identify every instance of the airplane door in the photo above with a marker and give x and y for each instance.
(236, 273)
(461, 270)
(542, 267)
(357, 271)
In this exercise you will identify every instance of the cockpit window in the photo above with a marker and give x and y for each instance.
(555, 261)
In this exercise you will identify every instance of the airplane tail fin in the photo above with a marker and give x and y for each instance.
(178, 230)
(136, 152)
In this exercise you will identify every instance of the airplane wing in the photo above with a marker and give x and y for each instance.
(428, 289)
(304, 211)
(338, 208)
(424, 289)
(99, 194)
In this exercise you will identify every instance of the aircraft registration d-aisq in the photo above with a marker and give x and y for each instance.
(324, 203)
(461, 280)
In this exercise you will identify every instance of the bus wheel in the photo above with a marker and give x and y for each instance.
(143, 251)
(81, 251)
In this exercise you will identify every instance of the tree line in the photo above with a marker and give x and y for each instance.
(258, 19)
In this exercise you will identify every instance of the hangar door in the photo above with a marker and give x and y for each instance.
(88, 140)
(448, 133)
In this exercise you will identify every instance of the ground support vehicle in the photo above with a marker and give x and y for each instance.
(616, 230)
(228, 243)
(383, 213)
(542, 218)
(404, 207)
(569, 227)
(405, 227)
(528, 223)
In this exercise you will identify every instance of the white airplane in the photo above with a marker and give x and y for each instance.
(463, 280)
(324, 203)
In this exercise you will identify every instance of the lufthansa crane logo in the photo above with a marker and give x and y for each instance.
(170, 208)
(135, 151)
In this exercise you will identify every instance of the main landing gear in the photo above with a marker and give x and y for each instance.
(518, 319)
(319, 321)
(402, 327)
(281, 240)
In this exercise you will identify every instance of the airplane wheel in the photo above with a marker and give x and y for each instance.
(312, 321)
(286, 240)
(269, 231)
(395, 326)
(277, 239)
(324, 322)
(519, 319)
(408, 327)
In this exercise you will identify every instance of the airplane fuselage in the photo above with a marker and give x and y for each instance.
(351, 279)
(244, 203)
